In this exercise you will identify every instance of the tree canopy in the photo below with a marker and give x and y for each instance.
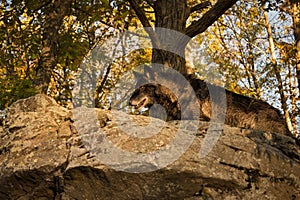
(254, 44)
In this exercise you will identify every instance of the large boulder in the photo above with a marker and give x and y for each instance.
(44, 155)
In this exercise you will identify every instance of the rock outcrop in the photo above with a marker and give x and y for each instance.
(43, 156)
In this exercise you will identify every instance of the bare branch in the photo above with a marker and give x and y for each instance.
(145, 22)
(200, 6)
(199, 26)
(150, 2)
(140, 13)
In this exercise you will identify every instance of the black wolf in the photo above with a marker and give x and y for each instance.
(242, 111)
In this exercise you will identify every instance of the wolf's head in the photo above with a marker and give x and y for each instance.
(167, 89)
(153, 90)
(145, 96)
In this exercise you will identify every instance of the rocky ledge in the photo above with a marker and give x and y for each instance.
(44, 154)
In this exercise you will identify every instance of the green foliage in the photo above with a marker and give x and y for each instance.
(12, 89)
(22, 24)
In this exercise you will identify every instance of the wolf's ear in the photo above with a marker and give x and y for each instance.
(147, 69)
(149, 72)
(137, 75)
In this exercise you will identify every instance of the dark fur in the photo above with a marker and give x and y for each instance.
(241, 111)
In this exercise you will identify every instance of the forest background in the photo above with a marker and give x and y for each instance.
(253, 44)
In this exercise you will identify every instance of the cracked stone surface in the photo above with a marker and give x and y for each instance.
(43, 156)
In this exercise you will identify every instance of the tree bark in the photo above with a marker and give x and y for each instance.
(171, 15)
(54, 16)
(169, 47)
(296, 22)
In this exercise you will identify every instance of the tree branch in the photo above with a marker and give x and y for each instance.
(145, 22)
(200, 6)
(209, 17)
(151, 2)
(140, 13)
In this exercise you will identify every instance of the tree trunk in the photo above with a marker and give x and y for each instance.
(172, 44)
(283, 98)
(54, 16)
(169, 47)
(296, 22)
